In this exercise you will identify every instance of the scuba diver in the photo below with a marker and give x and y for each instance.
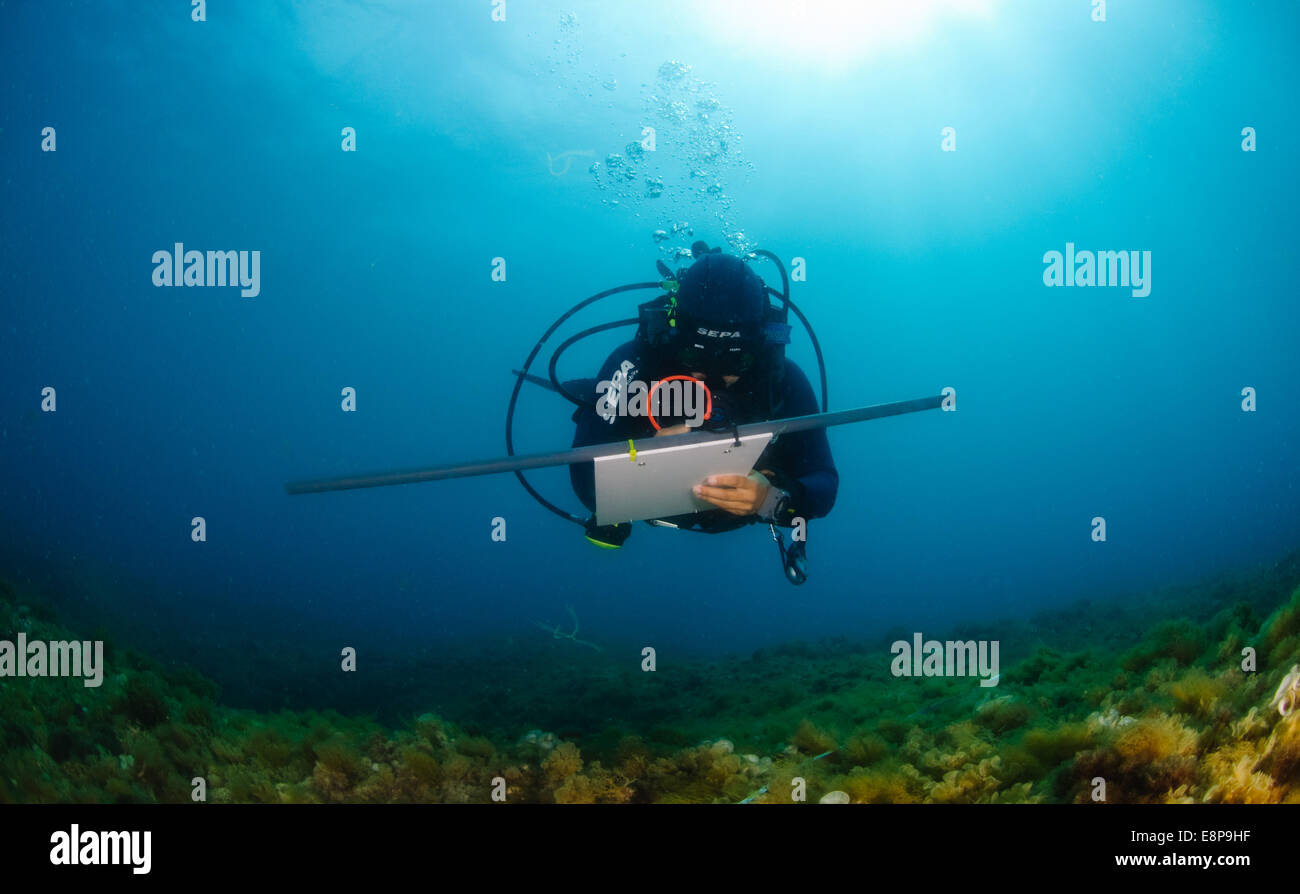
(716, 327)
(712, 326)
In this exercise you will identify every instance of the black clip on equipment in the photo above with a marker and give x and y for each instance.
(794, 561)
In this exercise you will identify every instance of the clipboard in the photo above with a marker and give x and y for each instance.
(635, 483)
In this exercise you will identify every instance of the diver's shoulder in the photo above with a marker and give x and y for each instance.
(794, 375)
(629, 350)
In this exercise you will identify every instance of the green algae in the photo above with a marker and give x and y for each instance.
(1158, 707)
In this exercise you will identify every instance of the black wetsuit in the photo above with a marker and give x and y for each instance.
(801, 461)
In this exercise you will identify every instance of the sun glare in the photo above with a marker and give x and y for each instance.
(834, 33)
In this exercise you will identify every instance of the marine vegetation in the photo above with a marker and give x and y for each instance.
(1181, 696)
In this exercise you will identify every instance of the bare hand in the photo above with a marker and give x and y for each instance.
(737, 494)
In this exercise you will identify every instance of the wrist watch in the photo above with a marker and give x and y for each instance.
(774, 505)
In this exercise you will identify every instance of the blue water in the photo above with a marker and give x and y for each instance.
(924, 271)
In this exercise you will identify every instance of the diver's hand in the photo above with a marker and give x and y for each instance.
(737, 494)
(673, 430)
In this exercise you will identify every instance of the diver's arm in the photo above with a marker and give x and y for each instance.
(798, 480)
(809, 496)
(806, 471)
